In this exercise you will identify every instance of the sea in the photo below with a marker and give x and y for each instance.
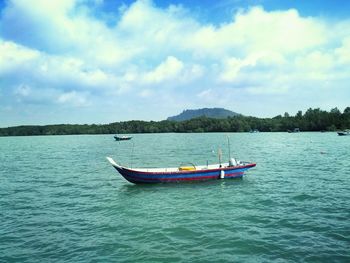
(61, 201)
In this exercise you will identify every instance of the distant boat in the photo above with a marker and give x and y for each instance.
(233, 169)
(254, 131)
(122, 138)
(296, 130)
(344, 133)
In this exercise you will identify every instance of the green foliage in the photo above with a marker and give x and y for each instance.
(311, 120)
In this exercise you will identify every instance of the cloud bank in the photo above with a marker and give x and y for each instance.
(63, 61)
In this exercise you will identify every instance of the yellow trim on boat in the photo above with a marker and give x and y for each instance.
(187, 168)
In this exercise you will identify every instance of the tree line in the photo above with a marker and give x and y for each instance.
(311, 120)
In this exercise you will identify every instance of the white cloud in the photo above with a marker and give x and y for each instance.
(284, 31)
(193, 73)
(64, 27)
(316, 61)
(257, 30)
(13, 56)
(316, 66)
(27, 94)
(216, 97)
(154, 32)
(24, 64)
(167, 70)
(59, 51)
(72, 98)
(232, 66)
(343, 52)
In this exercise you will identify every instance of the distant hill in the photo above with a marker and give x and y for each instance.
(218, 113)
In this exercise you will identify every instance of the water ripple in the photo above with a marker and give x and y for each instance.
(60, 201)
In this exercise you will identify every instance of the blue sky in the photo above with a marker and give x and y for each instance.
(99, 61)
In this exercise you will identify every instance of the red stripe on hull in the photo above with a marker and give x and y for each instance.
(175, 179)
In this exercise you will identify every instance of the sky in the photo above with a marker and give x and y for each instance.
(103, 61)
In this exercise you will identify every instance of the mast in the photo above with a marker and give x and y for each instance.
(229, 147)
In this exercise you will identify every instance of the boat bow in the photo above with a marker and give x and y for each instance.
(112, 162)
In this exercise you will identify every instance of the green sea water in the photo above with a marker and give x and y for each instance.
(61, 201)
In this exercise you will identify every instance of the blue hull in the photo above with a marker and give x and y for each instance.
(138, 177)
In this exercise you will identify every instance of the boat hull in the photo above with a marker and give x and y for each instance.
(138, 177)
(122, 138)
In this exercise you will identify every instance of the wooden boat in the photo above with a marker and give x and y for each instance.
(122, 138)
(344, 133)
(233, 169)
